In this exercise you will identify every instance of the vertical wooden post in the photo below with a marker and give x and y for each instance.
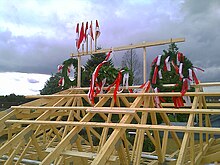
(95, 45)
(91, 32)
(79, 72)
(145, 65)
(87, 44)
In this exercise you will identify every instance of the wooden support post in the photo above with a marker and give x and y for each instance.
(186, 137)
(104, 133)
(164, 143)
(121, 153)
(145, 65)
(79, 72)
(192, 149)
(157, 138)
(140, 140)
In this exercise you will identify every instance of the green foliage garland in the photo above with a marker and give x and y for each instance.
(170, 77)
(66, 64)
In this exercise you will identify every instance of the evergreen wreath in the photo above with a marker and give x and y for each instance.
(65, 67)
(161, 75)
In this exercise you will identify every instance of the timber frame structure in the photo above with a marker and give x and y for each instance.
(65, 128)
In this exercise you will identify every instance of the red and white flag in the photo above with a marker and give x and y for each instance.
(77, 33)
(86, 32)
(81, 37)
(97, 31)
(91, 31)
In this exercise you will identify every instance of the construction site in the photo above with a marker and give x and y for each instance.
(63, 128)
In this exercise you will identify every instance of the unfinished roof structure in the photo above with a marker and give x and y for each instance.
(65, 128)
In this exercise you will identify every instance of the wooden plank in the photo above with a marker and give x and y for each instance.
(164, 144)
(214, 157)
(140, 140)
(121, 153)
(208, 84)
(163, 94)
(192, 149)
(157, 110)
(144, 65)
(158, 148)
(110, 111)
(79, 72)
(133, 46)
(199, 156)
(104, 133)
(122, 125)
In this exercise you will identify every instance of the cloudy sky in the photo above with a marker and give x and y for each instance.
(37, 35)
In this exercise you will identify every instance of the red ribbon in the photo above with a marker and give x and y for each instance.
(61, 82)
(59, 67)
(130, 90)
(194, 77)
(180, 57)
(93, 83)
(178, 102)
(154, 80)
(199, 68)
(146, 85)
(154, 61)
(185, 87)
(117, 84)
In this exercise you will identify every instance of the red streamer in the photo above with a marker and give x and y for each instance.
(154, 80)
(184, 87)
(194, 77)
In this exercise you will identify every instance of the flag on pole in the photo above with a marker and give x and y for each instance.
(91, 31)
(77, 33)
(86, 32)
(97, 31)
(81, 36)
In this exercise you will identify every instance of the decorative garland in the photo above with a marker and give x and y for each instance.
(171, 72)
(98, 80)
(66, 68)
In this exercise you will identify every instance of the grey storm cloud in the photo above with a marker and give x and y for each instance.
(121, 23)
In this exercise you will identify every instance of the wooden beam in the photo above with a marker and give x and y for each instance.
(122, 125)
(124, 109)
(79, 72)
(163, 94)
(110, 111)
(209, 84)
(145, 65)
(135, 46)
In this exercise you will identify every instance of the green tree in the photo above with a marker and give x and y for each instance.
(107, 71)
(51, 85)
